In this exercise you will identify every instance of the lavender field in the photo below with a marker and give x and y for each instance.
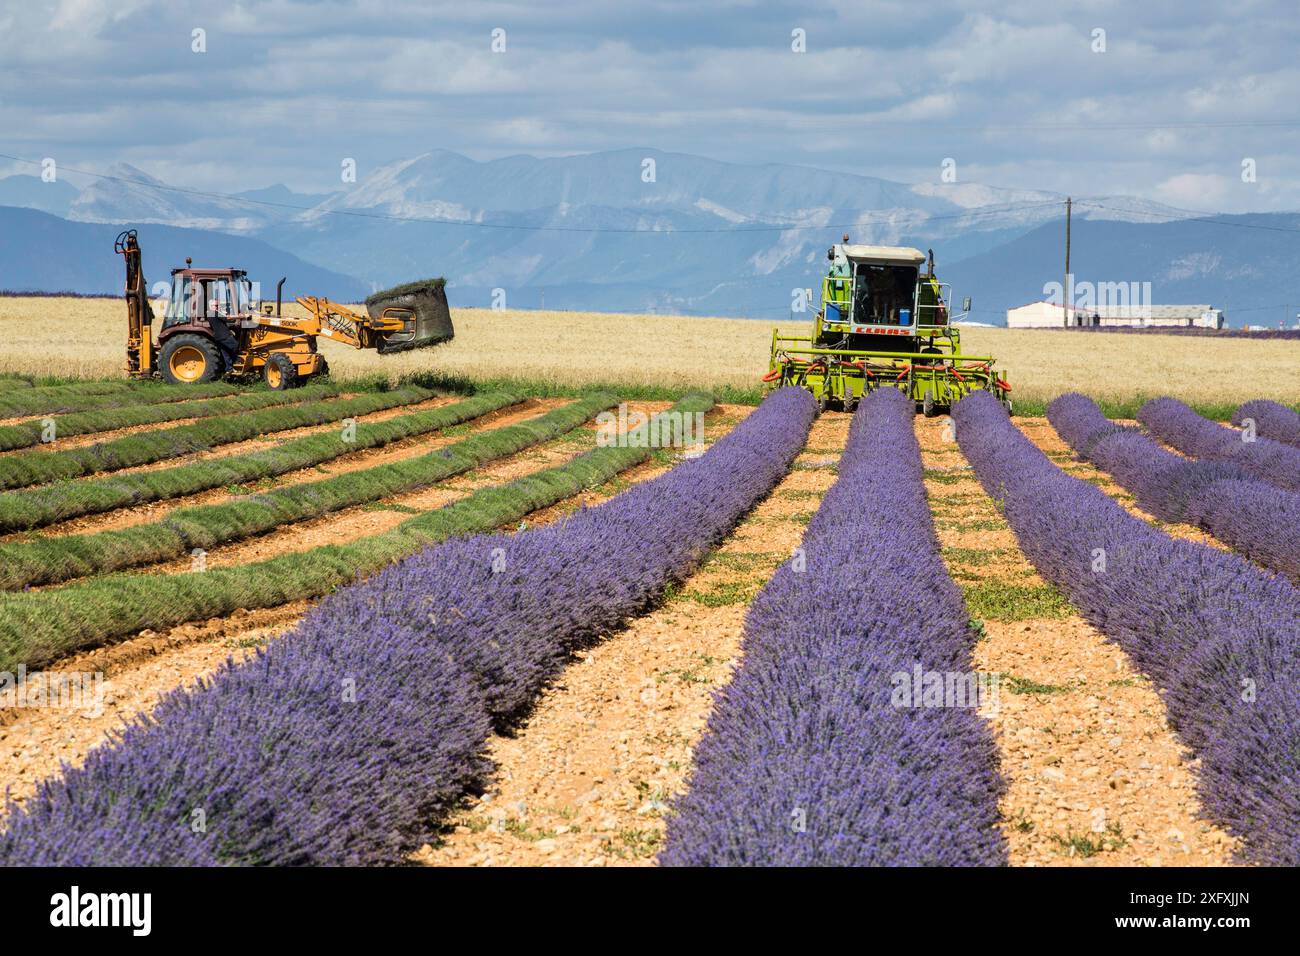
(513, 630)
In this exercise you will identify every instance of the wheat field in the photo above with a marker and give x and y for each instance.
(85, 338)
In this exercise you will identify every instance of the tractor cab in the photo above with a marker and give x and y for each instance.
(199, 296)
(199, 339)
(883, 322)
(872, 295)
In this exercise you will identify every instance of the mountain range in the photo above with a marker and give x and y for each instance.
(44, 253)
(638, 230)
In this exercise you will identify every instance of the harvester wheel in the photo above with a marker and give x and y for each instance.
(280, 373)
(190, 359)
(1006, 403)
(927, 406)
(823, 403)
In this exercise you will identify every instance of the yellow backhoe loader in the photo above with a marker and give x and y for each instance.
(214, 327)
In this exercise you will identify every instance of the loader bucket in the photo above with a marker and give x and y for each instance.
(422, 306)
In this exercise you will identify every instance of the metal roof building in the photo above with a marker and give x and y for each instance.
(1050, 315)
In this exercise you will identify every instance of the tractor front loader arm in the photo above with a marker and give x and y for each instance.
(341, 324)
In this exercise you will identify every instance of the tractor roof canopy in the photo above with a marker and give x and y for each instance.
(193, 273)
(901, 255)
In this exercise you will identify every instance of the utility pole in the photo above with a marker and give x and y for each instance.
(1065, 286)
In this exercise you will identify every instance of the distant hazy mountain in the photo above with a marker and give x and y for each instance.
(1250, 269)
(645, 230)
(130, 195)
(281, 194)
(591, 232)
(776, 215)
(618, 179)
(34, 193)
(44, 253)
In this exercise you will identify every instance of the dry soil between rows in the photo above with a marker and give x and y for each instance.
(351, 524)
(151, 511)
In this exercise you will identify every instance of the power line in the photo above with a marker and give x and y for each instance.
(976, 214)
(1189, 218)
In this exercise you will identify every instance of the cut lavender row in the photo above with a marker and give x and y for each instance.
(347, 741)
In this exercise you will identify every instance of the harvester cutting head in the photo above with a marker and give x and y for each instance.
(422, 308)
(882, 323)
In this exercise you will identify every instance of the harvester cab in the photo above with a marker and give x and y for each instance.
(883, 322)
(214, 325)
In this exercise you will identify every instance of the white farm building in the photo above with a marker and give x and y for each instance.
(1050, 315)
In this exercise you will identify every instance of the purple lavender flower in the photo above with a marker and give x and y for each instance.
(1254, 517)
(809, 758)
(1218, 635)
(1272, 420)
(1175, 424)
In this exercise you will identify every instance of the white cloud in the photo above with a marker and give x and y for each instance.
(884, 86)
(90, 16)
(1194, 190)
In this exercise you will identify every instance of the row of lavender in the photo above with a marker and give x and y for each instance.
(1254, 517)
(348, 740)
(1270, 419)
(822, 750)
(1216, 633)
(1256, 455)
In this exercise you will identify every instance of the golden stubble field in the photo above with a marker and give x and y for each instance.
(85, 337)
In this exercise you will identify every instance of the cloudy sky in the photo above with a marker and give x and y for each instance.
(1167, 103)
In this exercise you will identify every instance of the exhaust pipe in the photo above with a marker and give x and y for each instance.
(279, 295)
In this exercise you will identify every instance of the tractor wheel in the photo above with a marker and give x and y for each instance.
(823, 403)
(851, 405)
(190, 359)
(1006, 403)
(927, 406)
(280, 373)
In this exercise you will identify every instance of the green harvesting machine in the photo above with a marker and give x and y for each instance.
(883, 323)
